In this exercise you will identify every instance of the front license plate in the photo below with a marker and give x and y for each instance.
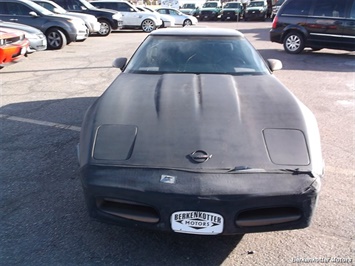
(197, 222)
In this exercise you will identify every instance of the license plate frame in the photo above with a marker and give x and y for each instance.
(197, 222)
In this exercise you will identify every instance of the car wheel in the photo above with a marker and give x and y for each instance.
(148, 25)
(187, 22)
(294, 43)
(105, 27)
(55, 39)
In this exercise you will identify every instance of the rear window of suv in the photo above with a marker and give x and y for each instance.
(299, 7)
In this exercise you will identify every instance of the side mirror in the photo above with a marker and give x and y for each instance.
(55, 10)
(33, 14)
(274, 64)
(120, 62)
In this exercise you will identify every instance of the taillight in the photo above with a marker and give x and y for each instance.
(274, 22)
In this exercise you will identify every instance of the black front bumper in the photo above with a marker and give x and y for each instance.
(247, 202)
(208, 16)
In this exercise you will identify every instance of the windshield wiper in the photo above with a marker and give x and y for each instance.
(247, 169)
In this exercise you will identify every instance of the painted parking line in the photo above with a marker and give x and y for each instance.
(39, 122)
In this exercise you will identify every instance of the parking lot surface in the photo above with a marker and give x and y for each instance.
(43, 217)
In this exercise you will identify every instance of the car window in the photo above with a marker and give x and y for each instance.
(46, 5)
(163, 11)
(18, 9)
(123, 7)
(223, 55)
(297, 7)
(352, 11)
(329, 8)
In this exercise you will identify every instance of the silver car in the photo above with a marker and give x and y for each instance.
(90, 21)
(37, 39)
(180, 18)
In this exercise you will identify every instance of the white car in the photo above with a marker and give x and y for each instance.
(131, 16)
(180, 18)
(168, 21)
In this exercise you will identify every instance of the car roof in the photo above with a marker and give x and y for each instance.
(197, 31)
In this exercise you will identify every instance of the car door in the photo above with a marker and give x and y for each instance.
(20, 13)
(129, 15)
(326, 23)
(179, 19)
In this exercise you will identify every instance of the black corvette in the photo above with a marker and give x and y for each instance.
(197, 136)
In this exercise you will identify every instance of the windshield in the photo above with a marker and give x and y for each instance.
(210, 5)
(39, 8)
(232, 5)
(196, 54)
(252, 4)
(51, 6)
(192, 6)
(279, 2)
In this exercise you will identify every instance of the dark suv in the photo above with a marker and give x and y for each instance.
(316, 24)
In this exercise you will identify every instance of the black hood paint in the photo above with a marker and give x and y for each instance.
(166, 117)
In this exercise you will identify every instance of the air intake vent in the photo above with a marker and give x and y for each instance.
(128, 210)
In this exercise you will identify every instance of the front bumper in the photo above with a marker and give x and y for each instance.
(230, 16)
(208, 15)
(82, 34)
(94, 27)
(247, 202)
(255, 15)
(117, 24)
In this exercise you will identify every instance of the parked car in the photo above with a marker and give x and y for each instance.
(13, 45)
(315, 24)
(37, 39)
(59, 30)
(109, 19)
(167, 21)
(192, 9)
(232, 11)
(256, 10)
(276, 8)
(197, 136)
(90, 21)
(180, 18)
(210, 10)
(132, 17)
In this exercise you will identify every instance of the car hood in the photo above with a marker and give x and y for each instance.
(159, 120)
(256, 8)
(209, 9)
(231, 9)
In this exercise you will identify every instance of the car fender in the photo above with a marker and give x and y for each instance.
(152, 17)
(297, 28)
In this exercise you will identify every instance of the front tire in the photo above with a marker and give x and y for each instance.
(105, 28)
(187, 22)
(148, 25)
(56, 39)
(294, 43)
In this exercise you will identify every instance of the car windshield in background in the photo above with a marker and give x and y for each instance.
(232, 5)
(210, 5)
(177, 54)
(39, 8)
(252, 4)
(188, 6)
